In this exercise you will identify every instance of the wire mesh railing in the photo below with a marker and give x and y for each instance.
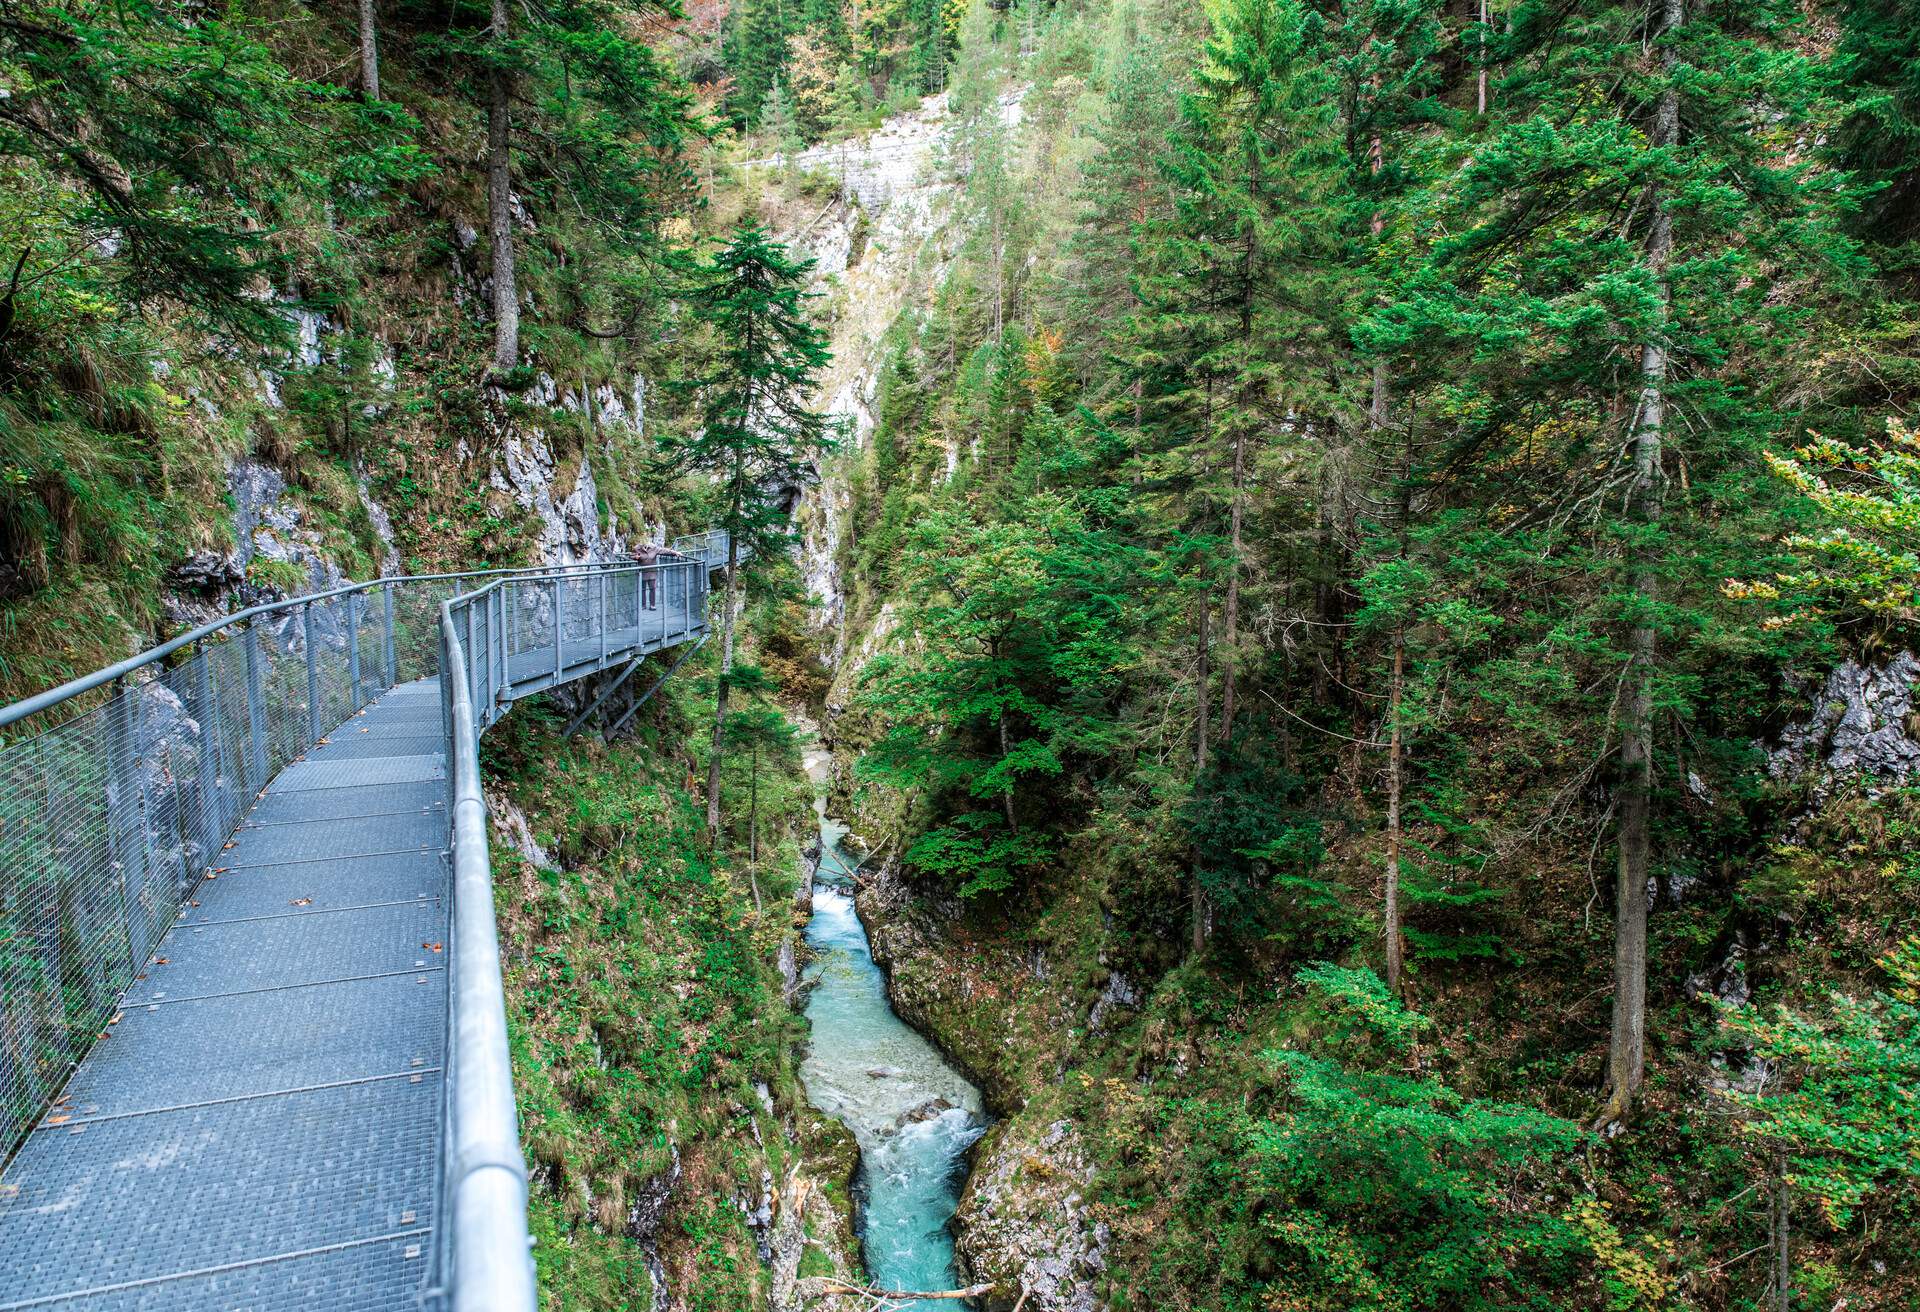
(499, 642)
(119, 790)
(710, 547)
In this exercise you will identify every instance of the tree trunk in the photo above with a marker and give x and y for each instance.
(1627, 1051)
(369, 51)
(1006, 793)
(753, 828)
(1391, 916)
(1199, 771)
(720, 696)
(506, 301)
(1782, 1291)
(1480, 99)
(1230, 652)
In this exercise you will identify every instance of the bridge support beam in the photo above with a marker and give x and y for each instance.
(647, 696)
(573, 726)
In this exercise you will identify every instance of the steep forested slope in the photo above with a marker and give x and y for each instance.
(1375, 605)
(1371, 590)
(296, 292)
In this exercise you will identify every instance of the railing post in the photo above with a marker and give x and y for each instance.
(353, 651)
(602, 616)
(392, 654)
(473, 688)
(558, 629)
(256, 711)
(125, 843)
(500, 656)
(313, 676)
(207, 713)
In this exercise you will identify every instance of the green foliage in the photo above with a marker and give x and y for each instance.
(1260, 847)
(1844, 1107)
(1358, 1011)
(644, 1008)
(1383, 1192)
(163, 140)
(1866, 557)
(1879, 59)
(759, 431)
(1025, 630)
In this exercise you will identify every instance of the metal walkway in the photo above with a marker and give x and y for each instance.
(299, 1096)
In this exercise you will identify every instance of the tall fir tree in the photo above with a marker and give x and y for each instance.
(1629, 220)
(759, 431)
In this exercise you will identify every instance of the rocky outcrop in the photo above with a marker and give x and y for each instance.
(560, 493)
(879, 245)
(814, 1215)
(278, 552)
(1863, 723)
(929, 984)
(1024, 1224)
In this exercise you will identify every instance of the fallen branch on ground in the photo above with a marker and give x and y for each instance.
(817, 1286)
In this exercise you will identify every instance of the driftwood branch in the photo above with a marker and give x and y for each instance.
(820, 1286)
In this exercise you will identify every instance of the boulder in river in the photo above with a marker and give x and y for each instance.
(931, 1109)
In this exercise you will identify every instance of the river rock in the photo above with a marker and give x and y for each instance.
(931, 1109)
(1023, 1222)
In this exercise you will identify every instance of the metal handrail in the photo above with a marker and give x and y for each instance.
(710, 547)
(484, 1241)
(114, 811)
(485, 1259)
(45, 701)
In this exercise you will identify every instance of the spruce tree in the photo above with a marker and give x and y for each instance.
(759, 432)
(1236, 343)
(1596, 300)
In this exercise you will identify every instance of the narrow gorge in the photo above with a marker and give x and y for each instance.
(1249, 656)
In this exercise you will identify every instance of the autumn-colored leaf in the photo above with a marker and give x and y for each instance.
(431, 947)
(58, 1120)
(302, 902)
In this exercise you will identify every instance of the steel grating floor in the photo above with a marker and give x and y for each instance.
(262, 1127)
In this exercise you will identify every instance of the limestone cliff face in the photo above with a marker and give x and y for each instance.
(881, 242)
(1864, 721)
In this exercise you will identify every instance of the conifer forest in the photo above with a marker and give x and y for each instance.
(1328, 589)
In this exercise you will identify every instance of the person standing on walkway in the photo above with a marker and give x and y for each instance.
(648, 553)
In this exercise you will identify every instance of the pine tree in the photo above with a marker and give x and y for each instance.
(1121, 193)
(778, 124)
(1389, 61)
(1236, 344)
(755, 52)
(1879, 58)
